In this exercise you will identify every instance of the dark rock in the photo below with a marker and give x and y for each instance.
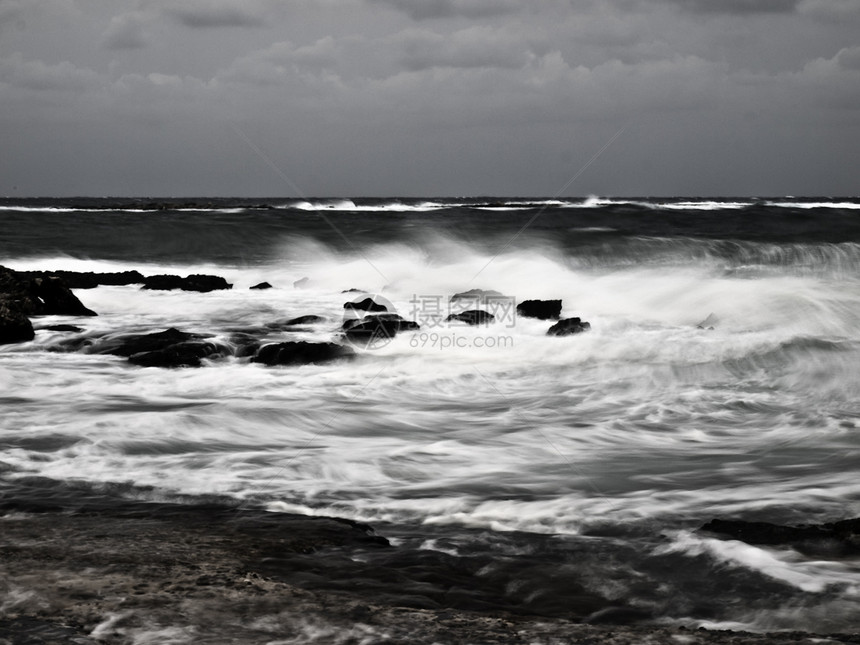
(301, 353)
(368, 304)
(179, 355)
(567, 327)
(834, 539)
(304, 320)
(91, 280)
(39, 295)
(372, 329)
(197, 282)
(58, 299)
(353, 290)
(540, 309)
(139, 343)
(262, 285)
(472, 317)
(69, 328)
(15, 327)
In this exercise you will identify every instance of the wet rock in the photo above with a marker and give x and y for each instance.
(129, 345)
(261, 286)
(368, 304)
(377, 328)
(567, 327)
(301, 353)
(179, 355)
(15, 327)
(833, 539)
(540, 309)
(472, 317)
(198, 282)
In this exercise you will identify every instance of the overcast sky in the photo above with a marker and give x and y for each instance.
(429, 97)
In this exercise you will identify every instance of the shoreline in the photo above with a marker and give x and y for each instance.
(115, 570)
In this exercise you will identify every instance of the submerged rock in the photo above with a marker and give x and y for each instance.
(198, 282)
(131, 344)
(188, 354)
(472, 317)
(261, 286)
(567, 327)
(301, 353)
(303, 320)
(540, 309)
(375, 329)
(834, 538)
(478, 295)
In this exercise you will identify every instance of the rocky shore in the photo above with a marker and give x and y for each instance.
(107, 569)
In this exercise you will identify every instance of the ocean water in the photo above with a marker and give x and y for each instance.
(720, 379)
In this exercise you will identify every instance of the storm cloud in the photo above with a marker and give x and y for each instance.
(454, 97)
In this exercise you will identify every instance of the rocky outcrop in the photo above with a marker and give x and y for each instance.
(90, 279)
(540, 309)
(301, 353)
(23, 295)
(197, 282)
(472, 317)
(567, 327)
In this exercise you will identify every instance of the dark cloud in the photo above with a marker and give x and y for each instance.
(205, 16)
(435, 9)
(738, 6)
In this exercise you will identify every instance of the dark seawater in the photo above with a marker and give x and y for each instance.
(721, 379)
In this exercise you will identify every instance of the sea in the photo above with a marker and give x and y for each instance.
(720, 379)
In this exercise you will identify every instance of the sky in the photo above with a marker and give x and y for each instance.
(316, 98)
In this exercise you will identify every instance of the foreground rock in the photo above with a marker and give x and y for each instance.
(301, 353)
(472, 317)
(567, 327)
(198, 282)
(540, 309)
(835, 539)
(15, 327)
